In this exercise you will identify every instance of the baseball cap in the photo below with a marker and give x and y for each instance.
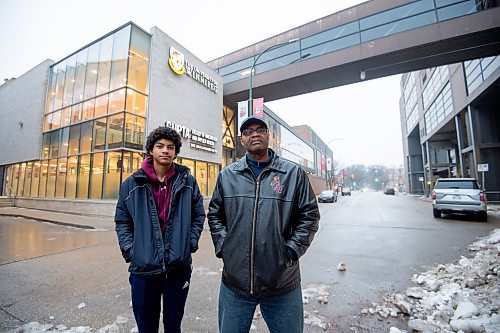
(252, 120)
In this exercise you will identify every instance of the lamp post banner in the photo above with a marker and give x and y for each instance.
(258, 107)
(242, 113)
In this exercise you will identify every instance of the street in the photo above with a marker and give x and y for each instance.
(47, 271)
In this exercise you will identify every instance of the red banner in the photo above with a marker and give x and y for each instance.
(258, 107)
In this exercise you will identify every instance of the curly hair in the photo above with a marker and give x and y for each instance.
(166, 133)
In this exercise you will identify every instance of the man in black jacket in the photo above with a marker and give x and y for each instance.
(263, 216)
(159, 218)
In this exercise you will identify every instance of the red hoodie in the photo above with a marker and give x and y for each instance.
(162, 191)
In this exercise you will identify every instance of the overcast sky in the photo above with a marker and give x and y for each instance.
(361, 121)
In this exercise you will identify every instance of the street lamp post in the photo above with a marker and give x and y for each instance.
(250, 97)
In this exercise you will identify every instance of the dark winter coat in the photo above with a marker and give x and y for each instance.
(138, 228)
(254, 220)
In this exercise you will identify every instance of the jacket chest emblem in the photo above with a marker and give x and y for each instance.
(276, 185)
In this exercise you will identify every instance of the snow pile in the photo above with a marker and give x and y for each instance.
(459, 297)
(35, 327)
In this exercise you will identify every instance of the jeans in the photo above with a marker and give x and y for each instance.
(147, 292)
(282, 313)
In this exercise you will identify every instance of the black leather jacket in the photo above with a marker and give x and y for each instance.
(138, 226)
(254, 220)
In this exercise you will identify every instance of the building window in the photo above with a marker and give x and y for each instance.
(114, 164)
(82, 183)
(96, 176)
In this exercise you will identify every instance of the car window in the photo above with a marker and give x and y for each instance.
(457, 184)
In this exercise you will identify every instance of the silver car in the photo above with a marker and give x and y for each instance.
(459, 195)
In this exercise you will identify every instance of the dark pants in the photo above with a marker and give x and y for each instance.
(147, 291)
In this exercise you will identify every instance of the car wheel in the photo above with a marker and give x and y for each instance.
(436, 213)
(483, 217)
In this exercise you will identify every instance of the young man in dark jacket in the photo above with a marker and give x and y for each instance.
(263, 216)
(159, 218)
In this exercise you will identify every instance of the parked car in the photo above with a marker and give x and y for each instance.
(389, 190)
(459, 195)
(346, 191)
(327, 196)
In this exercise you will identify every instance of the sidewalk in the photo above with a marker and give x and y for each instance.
(73, 220)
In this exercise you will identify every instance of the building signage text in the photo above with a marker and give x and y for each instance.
(179, 65)
(198, 140)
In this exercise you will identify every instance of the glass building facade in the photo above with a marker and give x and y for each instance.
(95, 121)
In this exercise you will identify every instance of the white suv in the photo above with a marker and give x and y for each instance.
(459, 195)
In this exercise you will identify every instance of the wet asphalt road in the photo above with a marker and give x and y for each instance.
(48, 270)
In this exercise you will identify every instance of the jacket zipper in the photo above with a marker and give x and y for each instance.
(254, 219)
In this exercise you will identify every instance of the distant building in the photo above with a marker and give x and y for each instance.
(451, 124)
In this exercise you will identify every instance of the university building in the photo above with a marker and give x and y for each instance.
(73, 130)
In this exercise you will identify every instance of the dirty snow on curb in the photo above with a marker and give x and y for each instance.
(463, 296)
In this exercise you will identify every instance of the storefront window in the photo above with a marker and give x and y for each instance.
(71, 177)
(96, 176)
(15, 179)
(83, 177)
(35, 182)
(131, 163)
(134, 131)
(202, 176)
(20, 185)
(27, 179)
(51, 179)
(139, 60)
(44, 170)
(188, 163)
(213, 172)
(61, 177)
(112, 176)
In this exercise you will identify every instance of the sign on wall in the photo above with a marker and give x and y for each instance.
(179, 65)
(197, 139)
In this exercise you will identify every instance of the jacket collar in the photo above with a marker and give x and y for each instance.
(276, 163)
(140, 174)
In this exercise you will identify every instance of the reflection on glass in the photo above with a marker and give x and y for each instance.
(213, 171)
(66, 117)
(63, 147)
(131, 163)
(86, 137)
(202, 176)
(101, 106)
(69, 81)
(81, 65)
(88, 110)
(91, 74)
(76, 113)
